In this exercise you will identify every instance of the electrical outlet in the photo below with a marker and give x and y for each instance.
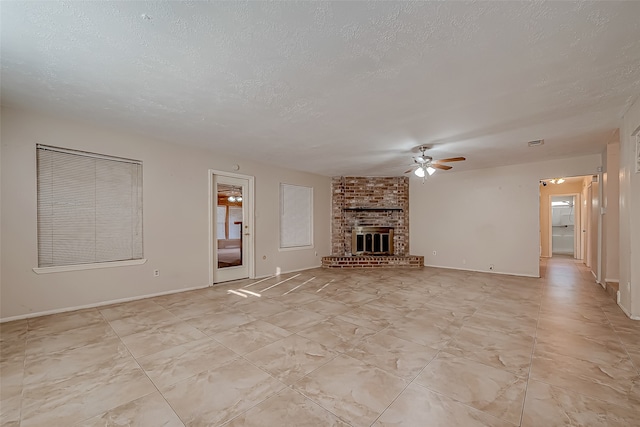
(156, 273)
(464, 261)
(490, 266)
(316, 253)
(435, 252)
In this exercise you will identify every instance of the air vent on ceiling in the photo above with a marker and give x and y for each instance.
(536, 143)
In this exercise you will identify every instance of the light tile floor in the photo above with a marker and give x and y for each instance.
(335, 348)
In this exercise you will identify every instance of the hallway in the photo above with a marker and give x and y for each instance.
(584, 343)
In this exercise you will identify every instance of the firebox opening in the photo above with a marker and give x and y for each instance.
(372, 241)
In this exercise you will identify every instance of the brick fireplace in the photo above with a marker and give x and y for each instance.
(370, 203)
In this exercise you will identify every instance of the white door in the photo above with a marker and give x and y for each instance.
(231, 227)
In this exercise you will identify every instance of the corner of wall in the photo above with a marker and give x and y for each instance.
(629, 205)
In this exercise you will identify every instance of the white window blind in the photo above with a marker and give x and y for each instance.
(235, 215)
(221, 222)
(89, 208)
(296, 216)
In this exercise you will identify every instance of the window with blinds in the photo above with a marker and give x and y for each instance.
(89, 208)
(296, 216)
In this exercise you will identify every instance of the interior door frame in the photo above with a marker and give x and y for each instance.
(249, 199)
(577, 225)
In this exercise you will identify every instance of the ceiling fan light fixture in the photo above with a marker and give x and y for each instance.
(425, 166)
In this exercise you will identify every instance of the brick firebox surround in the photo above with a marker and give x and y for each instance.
(370, 201)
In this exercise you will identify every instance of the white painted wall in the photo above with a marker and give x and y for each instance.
(176, 222)
(629, 214)
(611, 217)
(487, 216)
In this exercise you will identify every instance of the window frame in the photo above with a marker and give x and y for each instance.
(96, 264)
(311, 243)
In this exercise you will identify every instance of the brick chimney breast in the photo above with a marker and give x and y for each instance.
(369, 202)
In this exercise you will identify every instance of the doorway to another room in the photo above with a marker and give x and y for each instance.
(231, 225)
(564, 239)
(570, 219)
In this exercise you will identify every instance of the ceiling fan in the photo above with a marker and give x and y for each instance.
(425, 165)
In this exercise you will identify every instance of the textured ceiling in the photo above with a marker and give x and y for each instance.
(344, 88)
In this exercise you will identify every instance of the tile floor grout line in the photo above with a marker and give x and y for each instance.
(615, 330)
(287, 386)
(293, 289)
(578, 392)
(351, 357)
(194, 375)
(290, 386)
(463, 403)
(141, 369)
(241, 356)
(318, 404)
(533, 349)
(409, 382)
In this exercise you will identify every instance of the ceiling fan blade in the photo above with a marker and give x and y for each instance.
(409, 170)
(451, 159)
(443, 167)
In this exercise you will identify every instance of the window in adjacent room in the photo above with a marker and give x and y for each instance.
(89, 208)
(221, 222)
(296, 216)
(235, 222)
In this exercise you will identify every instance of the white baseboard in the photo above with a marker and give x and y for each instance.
(98, 304)
(483, 271)
(121, 300)
(627, 313)
(612, 280)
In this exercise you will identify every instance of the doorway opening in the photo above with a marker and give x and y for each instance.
(563, 235)
(570, 223)
(563, 217)
(231, 225)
